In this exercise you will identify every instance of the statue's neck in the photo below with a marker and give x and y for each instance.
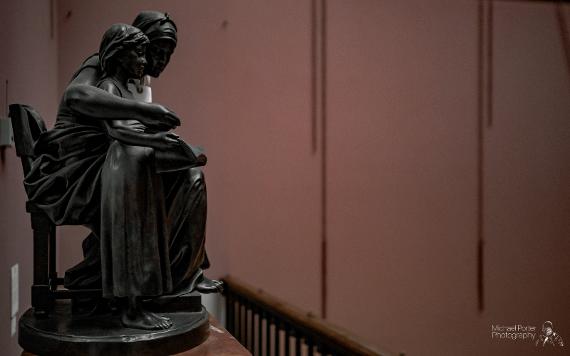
(122, 76)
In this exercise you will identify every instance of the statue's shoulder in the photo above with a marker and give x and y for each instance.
(92, 61)
(90, 68)
(111, 85)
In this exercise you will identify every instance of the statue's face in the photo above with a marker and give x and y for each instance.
(158, 55)
(133, 61)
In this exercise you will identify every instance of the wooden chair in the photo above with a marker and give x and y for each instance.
(27, 125)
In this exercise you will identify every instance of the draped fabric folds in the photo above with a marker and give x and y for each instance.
(65, 178)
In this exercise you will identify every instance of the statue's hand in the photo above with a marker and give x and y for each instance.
(132, 125)
(160, 118)
(165, 140)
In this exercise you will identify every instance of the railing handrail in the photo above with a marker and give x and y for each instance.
(301, 319)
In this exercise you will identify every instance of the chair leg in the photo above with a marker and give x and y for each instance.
(52, 258)
(42, 299)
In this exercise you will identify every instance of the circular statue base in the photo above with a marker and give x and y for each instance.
(62, 333)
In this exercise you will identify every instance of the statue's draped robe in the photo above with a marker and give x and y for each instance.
(148, 226)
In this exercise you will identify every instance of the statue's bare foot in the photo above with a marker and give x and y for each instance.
(135, 317)
(165, 318)
(207, 285)
(145, 320)
(200, 283)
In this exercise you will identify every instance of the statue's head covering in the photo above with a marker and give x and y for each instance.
(156, 25)
(118, 37)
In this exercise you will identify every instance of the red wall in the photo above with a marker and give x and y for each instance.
(403, 205)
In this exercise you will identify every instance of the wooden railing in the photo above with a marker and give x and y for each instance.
(267, 326)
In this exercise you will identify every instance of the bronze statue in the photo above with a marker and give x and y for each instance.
(111, 164)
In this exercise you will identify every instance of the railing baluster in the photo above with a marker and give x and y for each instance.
(243, 313)
(268, 335)
(321, 348)
(250, 328)
(246, 325)
(277, 339)
(242, 321)
(298, 341)
(259, 333)
(287, 340)
(237, 317)
(310, 345)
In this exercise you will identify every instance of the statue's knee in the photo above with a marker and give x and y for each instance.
(196, 181)
(196, 176)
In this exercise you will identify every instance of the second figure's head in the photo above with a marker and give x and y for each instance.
(162, 33)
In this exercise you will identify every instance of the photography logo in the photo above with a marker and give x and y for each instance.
(544, 337)
(515, 332)
(549, 337)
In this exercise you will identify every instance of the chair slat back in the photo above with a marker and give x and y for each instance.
(27, 125)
